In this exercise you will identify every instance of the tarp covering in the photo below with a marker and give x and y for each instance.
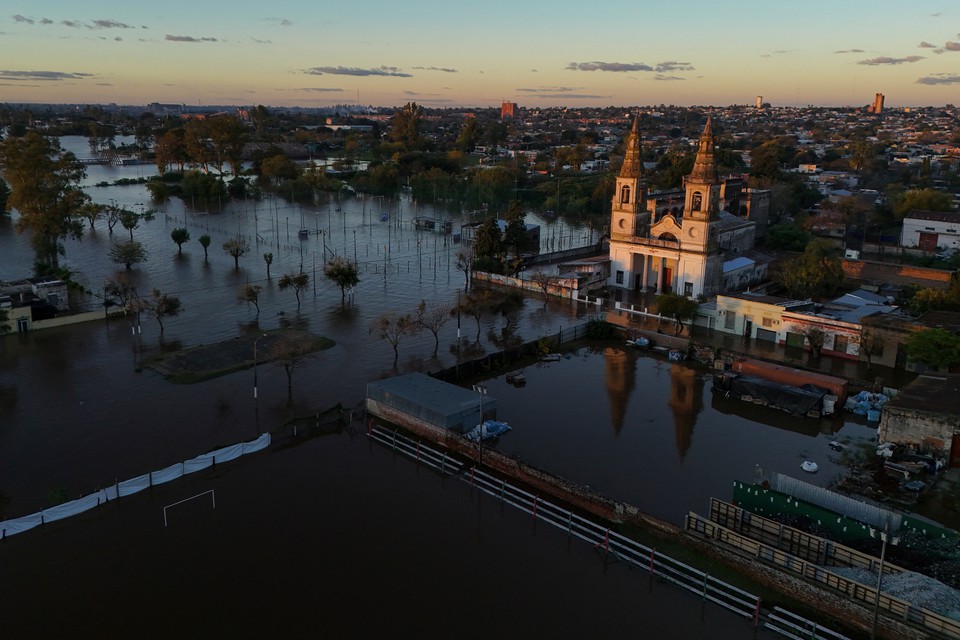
(795, 400)
(131, 486)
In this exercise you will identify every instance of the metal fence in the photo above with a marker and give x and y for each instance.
(601, 536)
(866, 595)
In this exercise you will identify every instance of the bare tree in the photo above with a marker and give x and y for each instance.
(475, 304)
(250, 293)
(296, 281)
(392, 327)
(291, 352)
(542, 280)
(815, 336)
(162, 305)
(432, 318)
(871, 345)
(465, 264)
(236, 247)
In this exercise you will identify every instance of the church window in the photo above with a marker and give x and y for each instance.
(697, 201)
(625, 194)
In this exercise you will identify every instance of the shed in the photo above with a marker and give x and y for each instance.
(416, 400)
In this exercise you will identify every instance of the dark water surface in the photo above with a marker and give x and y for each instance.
(333, 537)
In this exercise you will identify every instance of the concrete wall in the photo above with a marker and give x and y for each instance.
(918, 429)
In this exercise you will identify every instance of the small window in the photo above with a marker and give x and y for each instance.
(697, 203)
(768, 322)
(619, 277)
(930, 228)
(625, 194)
(951, 230)
(688, 289)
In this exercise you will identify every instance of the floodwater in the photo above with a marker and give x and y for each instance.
(331, 537)
(322, 522)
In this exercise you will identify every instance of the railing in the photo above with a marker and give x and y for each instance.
(866, 595)
(600, 535)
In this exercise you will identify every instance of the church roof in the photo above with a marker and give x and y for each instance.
(704, 167)
(632, 162)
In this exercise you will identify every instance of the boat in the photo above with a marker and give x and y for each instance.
(641, 342)
(550, 357)
(303, 233)
(488, 430)
(517, 379)
(810, 466)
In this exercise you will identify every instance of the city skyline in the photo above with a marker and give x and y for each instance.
(453, 54)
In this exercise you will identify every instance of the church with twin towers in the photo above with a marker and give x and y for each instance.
(697, 241)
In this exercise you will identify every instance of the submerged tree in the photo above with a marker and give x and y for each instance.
(432, 318)
(291, 352)
(268, 258)
(45, 189)
(163, 305)
(678, 307)
(392, 327)
(205, 243)
(295, 281)
(344, 273)
(250, 293)
(128, 253)
(180, 235)
(235, 248)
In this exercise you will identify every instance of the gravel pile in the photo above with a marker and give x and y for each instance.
(915, 588)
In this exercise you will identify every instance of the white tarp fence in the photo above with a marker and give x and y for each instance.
(132, 486)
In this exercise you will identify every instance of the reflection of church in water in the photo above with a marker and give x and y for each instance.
(685, 400)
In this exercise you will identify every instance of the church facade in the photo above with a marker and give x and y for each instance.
(663, 248)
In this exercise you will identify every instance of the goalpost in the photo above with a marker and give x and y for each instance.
(213, 500)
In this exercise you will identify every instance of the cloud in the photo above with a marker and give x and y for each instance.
(777, 53)
(849, 51)
(660, 76)
(111, 24)
(940, 78)
(72, 24)
(354, 71)
(548, 89)
(609, 66)
(952, 46)
(171, 38)
(261, 41)
(7, 74)
(927, 45)
(20, 18)
(444, 69)
(319, 89)
(887, 60)
(674, 66)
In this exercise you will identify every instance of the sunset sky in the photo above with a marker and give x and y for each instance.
(455, 53)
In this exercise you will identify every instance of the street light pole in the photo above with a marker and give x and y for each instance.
(884, 536)
(482, 390)
(262, 335)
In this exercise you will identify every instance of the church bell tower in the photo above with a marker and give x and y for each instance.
(629, 196)
(701, 214)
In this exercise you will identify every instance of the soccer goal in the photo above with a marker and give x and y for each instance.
(213, 502)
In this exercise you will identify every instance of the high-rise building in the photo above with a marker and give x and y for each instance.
(877, 106)
(759, 102)
(508, 110)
